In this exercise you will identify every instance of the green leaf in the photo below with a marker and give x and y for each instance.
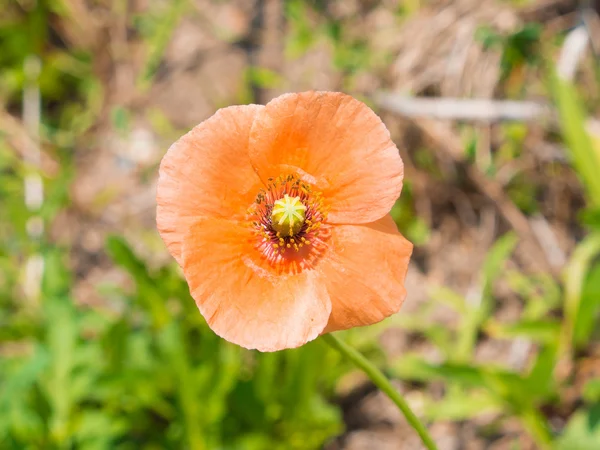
(263, 77)
(575, 276)
(505, 385)
(62, 345)
(589, 307)
(461, 404)
(585, 157)
(149, 291)
(449, 298)
(174, 348)
(496, 258)
(483, 308)
(56, 281)
(582, 432)
(120, 119)
(591, 391)
(541, 381)
(544, 331)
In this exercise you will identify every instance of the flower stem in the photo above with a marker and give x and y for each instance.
(382, 383)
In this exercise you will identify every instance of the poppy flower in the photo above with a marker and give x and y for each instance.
(278, 216)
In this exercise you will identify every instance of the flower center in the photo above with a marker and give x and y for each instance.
(288, 215)
(289, 220)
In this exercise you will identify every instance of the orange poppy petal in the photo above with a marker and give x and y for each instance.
(365, 273)
(337, 143)
(240, 296)
(207, 173)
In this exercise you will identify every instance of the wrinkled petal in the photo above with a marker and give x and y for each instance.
(207, 173)
(338, 143)
(365, 273)
(242, 298)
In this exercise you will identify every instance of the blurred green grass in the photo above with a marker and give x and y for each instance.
(144, 371)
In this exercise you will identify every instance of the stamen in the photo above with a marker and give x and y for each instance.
(289, 220)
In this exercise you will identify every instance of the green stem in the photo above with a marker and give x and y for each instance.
(382, 383)
(535, 424)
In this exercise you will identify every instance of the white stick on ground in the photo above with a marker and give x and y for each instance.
(572, 52)
(33, 184)
(485, 110)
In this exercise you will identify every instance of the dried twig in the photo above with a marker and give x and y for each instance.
(545, 252)
(463, 109)
(446, 139)
(591, 21)
(16, 135)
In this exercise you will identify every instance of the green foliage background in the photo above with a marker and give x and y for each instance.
(144, 371)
